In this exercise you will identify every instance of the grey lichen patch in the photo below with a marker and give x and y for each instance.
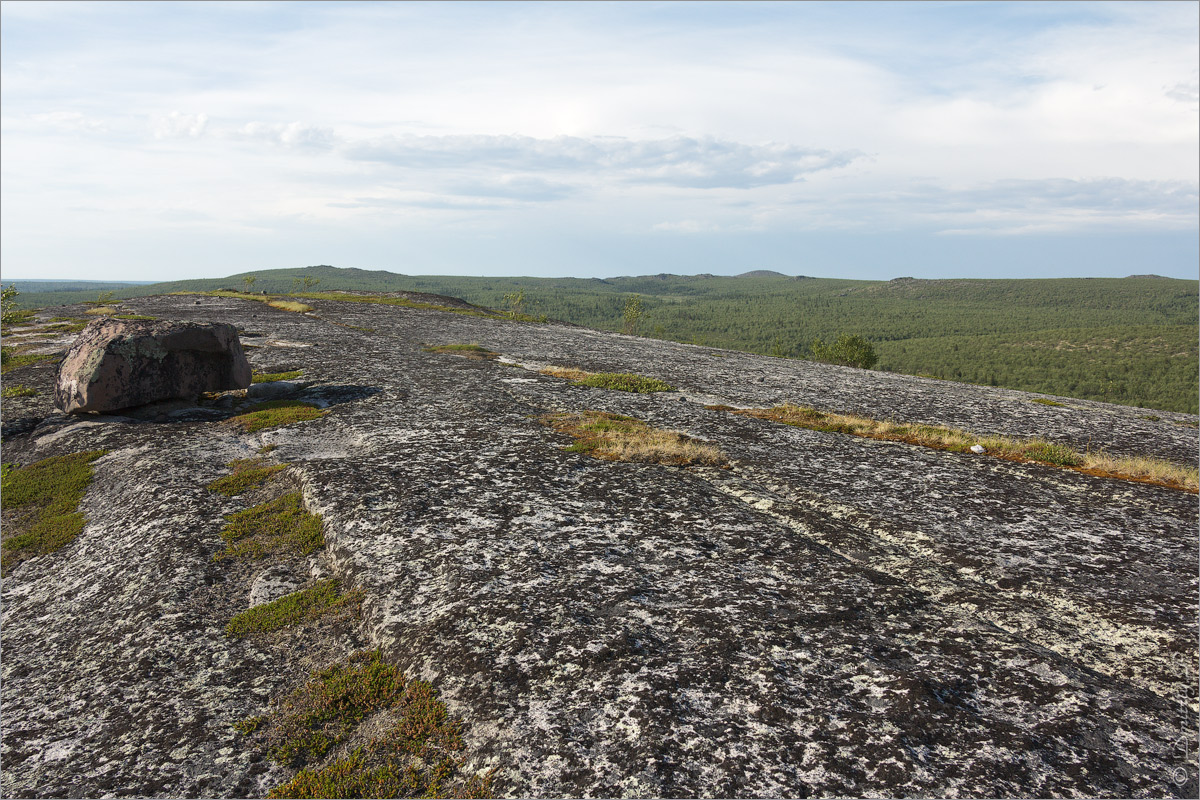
(248, 473)
(420, 754)
(41, 503)
(324, 597)
(614, 437)
(281, 525)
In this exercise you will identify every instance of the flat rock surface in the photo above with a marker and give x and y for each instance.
(829, 616)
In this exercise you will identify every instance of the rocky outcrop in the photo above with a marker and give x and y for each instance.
(828, 616)
(117, 364)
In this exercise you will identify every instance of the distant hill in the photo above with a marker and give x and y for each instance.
(1124, 340)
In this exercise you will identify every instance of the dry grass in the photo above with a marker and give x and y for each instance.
(289, 305)
(1133, 468)
(613, 437)
(101, 310)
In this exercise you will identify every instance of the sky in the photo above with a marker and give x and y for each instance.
(160, 141)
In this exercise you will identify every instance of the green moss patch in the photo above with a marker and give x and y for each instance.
(282, 525)
(18, 390)
(274, 413)
(269, 377)
(293, 609)
(1044, 402)
(616, 381)
(419, 755)
(472, 351)
(10, 359)
(248, 473)
(43, 500)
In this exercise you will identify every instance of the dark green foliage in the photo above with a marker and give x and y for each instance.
(847, 350)
(46, 496)
(280, 525)
(297, 607)
(418, 755)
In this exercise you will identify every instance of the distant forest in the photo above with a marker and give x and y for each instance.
(1121, 340)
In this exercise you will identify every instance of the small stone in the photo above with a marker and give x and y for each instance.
(977, 448)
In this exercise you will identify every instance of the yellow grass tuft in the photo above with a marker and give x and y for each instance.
(289, 305)
(613, 437)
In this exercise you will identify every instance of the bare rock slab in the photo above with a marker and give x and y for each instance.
(118, 364)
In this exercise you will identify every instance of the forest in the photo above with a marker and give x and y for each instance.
(1121, 340)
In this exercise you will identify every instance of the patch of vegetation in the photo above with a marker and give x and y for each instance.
(267, 448)
(613, 437)
(419, 754)
(282, 525)
(100, 311)
(249, 725)
(10, 314)
(302, 606)
(134, 316)
(846, 350)
(18, 390)
(1151, 417)
(472, 351)
(10, 359)
(44, 498)
(248, 473)
(269, 377)
(289, 305)
(274, 413)
(1043, 401)
(1146, 470)
(69, 326)
(617, 381)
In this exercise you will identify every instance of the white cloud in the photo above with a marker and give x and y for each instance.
(178, 125)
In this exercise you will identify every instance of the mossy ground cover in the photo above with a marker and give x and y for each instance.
(282, 525)
(613, 437)
(274, 413)
(269, 377)
(11, 359)
(248, 473)
(472, 351)
(306, 605)
(1145, 470)
(43, 504)
(18, 390)
(418, 755)
(616, 381)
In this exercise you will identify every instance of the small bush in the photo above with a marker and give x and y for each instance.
(849, 351)
(613, 437)
(18, 390)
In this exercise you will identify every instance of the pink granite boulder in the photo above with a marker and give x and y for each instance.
(116, 364)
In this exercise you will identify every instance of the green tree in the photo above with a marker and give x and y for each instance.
(8, 304)
(516, 303)
(632, 318)
(847, 350)
(249, 281)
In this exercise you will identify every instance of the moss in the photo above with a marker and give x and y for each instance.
(1043, 401)
(99, 311)
(472, 351)
(617, 381)
(302, 606)
(274, 413)
(1151, 417)
(613, 437)
(45, 497)
(18, 390)
(248, 473)
(282, 525)
(417, 756)
(249, 725)
(133, 316)
(10, 359)
(268, 377)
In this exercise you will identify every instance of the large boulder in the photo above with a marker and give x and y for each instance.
(117, 364)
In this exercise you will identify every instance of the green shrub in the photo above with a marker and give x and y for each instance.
(302, 606)
(280, 525)
(847, 350)
(248, 473)
(274, 413)
(47, 493)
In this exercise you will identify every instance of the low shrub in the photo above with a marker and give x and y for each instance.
(282, 525)
(46, 496)
(302, 606)
(274, 413)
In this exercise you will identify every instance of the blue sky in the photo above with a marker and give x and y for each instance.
(154, 141)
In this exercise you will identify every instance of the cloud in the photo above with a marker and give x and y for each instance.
(70, 121)
(177, 125)
(679, 161)
(292, 134)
